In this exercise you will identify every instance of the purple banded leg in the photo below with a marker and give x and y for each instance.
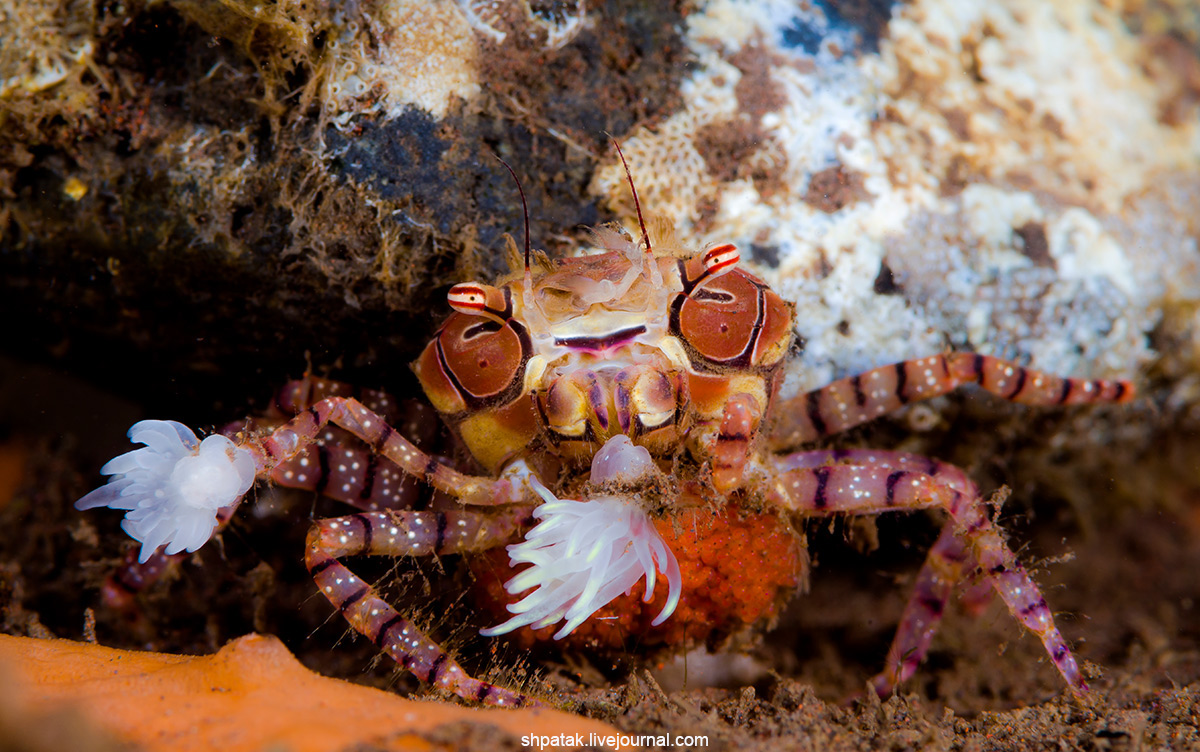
(855, 400)
(945, 568)
(947, 565)
(295, 397)
(409, 534)
(943, 472)
(351, 474)
(338, 466)
(878, 487)
(339, 469)
(287, 441)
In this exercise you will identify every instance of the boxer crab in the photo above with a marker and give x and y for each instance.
(623, 405)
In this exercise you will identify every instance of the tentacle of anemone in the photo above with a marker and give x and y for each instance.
(583, 554)
(174, 488)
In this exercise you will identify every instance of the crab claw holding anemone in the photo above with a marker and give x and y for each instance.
(583, 554)
(174, 486)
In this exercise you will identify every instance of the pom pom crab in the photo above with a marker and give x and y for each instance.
(624, 406)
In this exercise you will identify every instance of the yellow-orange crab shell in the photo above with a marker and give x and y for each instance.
(601, 345)
(738, 570)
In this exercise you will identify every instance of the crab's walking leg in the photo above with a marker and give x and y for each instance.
(133, 576)
(945, 567)
(293, 454)
(885, 481)
(851, 401)
(351, 474)
(286, 441)
(338, 466)
(408, 534)
(416, 420)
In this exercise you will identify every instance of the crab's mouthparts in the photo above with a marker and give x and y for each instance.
(601, 343)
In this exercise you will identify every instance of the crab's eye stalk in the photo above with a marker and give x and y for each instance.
(718, 261)
(700, 270)
(467, 299)
(727, 318)
(476, 299)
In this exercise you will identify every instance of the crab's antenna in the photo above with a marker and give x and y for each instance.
(637, 205)
(524, 208)
(530, 305)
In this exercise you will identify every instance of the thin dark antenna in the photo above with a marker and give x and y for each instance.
(524, 206)
(636, 204)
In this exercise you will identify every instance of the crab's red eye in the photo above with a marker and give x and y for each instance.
(732, 320)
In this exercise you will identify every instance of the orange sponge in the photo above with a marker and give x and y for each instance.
(738, 568)
(251, 695)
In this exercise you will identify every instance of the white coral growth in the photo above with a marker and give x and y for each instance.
(174, 486)
(583, 555)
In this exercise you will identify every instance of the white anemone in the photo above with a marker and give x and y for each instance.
(174, 486)
(583, 555)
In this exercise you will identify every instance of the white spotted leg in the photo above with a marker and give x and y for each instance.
(869, 482)
(400, 533)
(286, 442)
(946, 566)
(409, 534)
(337, 465)
(178, 491)
(852, 401)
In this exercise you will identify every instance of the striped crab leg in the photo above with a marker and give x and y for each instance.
(870, 482)
(409, 534)
(351, 474)
(946, 566)
(337, 465)
(288, 440)
(852, 401)
(948, 563)
(400, 533)
(408, 416)
(219, 472)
